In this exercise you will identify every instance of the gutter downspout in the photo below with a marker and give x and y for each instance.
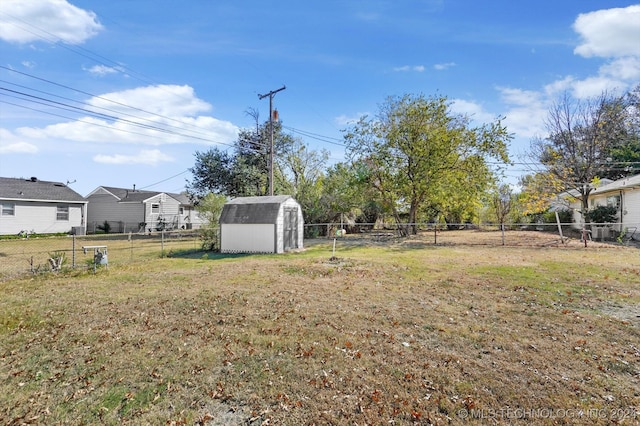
(621, 211)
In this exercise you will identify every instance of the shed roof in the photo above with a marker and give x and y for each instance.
(37, 190)
(245, 210)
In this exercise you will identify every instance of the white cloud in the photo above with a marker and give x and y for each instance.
(559, 86)
(405, 68)
(18, 148)
(609, 32)
(345, 120)
(28, 64)
(526, 111)
(12, 144)
(444, 66)
(612, 34)
(163, 99)
(627, 68)
(152, 115)
(102, 70)
(145, 157)
(595, 86)
(473, 110)
(25, 21)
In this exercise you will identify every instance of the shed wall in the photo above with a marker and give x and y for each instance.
(247, 238)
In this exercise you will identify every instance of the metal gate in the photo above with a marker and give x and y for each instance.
(290, 228)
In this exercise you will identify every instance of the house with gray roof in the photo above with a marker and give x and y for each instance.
(42, 207)
(134, 210)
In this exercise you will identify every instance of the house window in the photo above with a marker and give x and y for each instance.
(8, 209)
(613, 201)
(181, 210)
(62, 213)
(155, 208)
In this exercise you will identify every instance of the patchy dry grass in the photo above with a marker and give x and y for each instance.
(408, 333)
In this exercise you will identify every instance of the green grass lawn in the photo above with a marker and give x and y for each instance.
(402, 334)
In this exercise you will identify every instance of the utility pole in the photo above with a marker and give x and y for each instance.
(270, 95)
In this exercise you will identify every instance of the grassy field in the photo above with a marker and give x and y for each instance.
(18, 256)
(405, 333)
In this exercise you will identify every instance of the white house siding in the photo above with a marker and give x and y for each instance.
(191, 218)
(247, 238)
(631, 206)
(105, 206)
(41, 218)
(168, 210)
(629, 193)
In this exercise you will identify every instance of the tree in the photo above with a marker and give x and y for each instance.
(299, 173)
(210, 208)
(582, 134)
(416, 146)
(539, 191)
(213, 172)
(243, 173)
(625, 155)
(502, 201)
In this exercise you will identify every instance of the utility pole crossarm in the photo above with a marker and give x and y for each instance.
(270, 95)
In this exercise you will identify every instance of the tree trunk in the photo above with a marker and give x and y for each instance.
(413, 214)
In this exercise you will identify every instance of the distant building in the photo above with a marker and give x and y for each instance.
(42, 207)
(624, 195)
(132, 210)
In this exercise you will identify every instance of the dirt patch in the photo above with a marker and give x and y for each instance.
(625, 313)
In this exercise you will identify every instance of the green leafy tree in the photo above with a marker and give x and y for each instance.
(625, 155)
(244, 172)
(344, 193)
(300, 173)
(416, 147)
(210, 208)
(213, 172)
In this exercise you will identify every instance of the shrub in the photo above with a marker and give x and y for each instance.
(105, 227)
(602, 214)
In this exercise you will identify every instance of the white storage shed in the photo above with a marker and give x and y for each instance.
(269, 224)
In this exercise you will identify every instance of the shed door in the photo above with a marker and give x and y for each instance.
(290, 228)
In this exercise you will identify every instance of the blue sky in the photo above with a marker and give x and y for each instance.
(123, 93)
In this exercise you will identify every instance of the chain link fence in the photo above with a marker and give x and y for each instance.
(33, 254)
(524, 234)
(43, 254)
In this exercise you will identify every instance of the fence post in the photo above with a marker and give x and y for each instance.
(73, 251)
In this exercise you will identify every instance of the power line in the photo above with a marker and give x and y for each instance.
(164, 180)
(117, 117)
(99, 97)
(315, 136)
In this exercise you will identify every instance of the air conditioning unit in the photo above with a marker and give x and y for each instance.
(601, 233)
